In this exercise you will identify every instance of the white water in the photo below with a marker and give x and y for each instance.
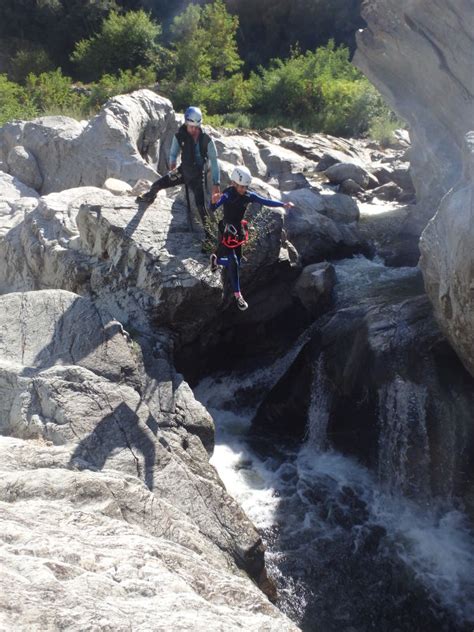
(435, 544)
(402, 420)
(286, 489)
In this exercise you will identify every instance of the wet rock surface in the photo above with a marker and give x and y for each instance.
(436, 96)
(101, 299)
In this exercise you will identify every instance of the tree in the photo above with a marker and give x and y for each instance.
(190, 42)
(270, 28)
(204, 40)
(221, 47)
(124, 42)
(52, 25)
(14, 101)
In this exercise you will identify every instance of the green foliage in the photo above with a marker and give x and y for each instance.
(268, 28)
(230, 94)
(239, 120)
(126, 81)
(316, 91)
(189, 41)
(204, 40)
(14, 102)
(51, 92)
(207, 61)
(382, 127)
(221, 46)
(53, 25)
(33, 59)
(124, 42)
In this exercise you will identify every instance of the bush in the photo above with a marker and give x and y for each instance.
(15, 102)
(126, 81)
(124, 42)
(319, 91)
(224, 96)
(52, 94)
(29, 60)
(204, 41)
(382, 128)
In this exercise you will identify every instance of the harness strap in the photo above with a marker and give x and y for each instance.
(230, 236)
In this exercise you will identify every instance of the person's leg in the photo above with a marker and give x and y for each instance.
(221, 250)
(231, 261)
(171, 179)
(196, 187)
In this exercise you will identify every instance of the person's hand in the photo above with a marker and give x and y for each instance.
(216, 193)
(288, 205)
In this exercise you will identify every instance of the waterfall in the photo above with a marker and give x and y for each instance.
(404, 457)
(319, 407)
(352, 549)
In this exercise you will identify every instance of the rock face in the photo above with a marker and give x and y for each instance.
(447, 261)
(435, 93)
(103, 445)
(106, 441)
(69, 154)
(436, 96)
(410, 399)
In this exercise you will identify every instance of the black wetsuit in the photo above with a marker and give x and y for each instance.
(190, 171)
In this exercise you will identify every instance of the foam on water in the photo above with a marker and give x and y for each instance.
(297, 492)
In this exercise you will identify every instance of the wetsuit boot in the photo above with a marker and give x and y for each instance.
(149, 196)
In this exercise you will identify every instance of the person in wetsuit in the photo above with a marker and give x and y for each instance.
(233, 227)
(195, 147)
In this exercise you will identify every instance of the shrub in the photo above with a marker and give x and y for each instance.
(29, 60)
(51, 93)
(382, 128)
(15, 102)
(124, 42)
(316, 91)
(204, 40)
(227, 95)
(125, 81)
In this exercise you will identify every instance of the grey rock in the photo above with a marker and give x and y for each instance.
(345, 171)
(70, 154)
(340, 208)
(314, 285)
(12, 189)
(334, 157)
(22, 164)
(117, 187)
(283, 165)
(119, 405)
(434, 94)
(114, 544)
(241, 150)
(401, 175)
(314, 235)
(447, 260)
(350, 187)
(42, 249)
(388, 191)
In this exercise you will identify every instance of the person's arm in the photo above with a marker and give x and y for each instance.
(215, 172)
(224, 197)
(258, 199)
(174, 153)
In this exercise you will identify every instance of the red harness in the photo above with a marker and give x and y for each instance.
(230, 236)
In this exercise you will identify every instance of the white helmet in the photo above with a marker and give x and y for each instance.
(242, 176)
(193, 115)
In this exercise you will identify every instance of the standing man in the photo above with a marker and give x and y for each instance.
(195, 147)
